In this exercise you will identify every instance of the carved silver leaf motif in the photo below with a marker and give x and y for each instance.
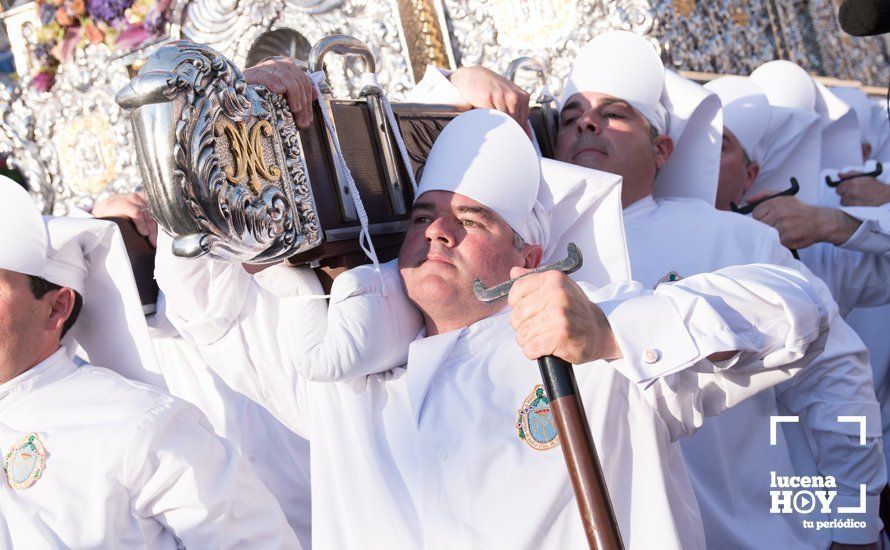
(232, 27)
(223, 162)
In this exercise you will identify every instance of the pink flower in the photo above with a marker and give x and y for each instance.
(43, 81)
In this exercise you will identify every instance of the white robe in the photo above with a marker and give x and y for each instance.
(428, 455)
(126, 467)
(730, 459)
(248, 425)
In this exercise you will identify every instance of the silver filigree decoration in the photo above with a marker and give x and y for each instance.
(494, 33)
(81, 140)
(232, 27)
(222, 161)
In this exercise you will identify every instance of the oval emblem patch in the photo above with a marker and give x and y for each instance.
(25, 462)
(536, 426)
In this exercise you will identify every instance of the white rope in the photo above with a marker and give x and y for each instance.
(370, 79)
(364, 239)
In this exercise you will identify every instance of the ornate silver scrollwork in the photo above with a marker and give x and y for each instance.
(232, 27)
(72, 142)
(223, 161)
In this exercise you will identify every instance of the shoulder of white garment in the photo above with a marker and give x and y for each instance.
(98, 396)
(698, 213)
(286, 281)
(370, 325)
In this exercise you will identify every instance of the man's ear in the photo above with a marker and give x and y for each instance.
(532, 254)
(61, 304)
(753, 170)
(664, 148)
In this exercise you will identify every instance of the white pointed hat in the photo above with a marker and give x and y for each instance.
(627, 66)
(746, 110)
(862, 106)
(788, 85)
(880, 150)
(784, 141)
(89, 256)
(483, 154)
(623, 65)
(585, 209)
(24, 236)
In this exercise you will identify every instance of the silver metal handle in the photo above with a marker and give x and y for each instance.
(340, 44)
(532, 64)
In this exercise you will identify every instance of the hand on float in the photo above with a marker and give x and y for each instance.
(132, 206)
(485, 89)
(284, 76)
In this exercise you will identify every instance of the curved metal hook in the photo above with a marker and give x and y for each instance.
(527, 63)
(748, 208)
(340, 44)
(570, 264)
(879, 169)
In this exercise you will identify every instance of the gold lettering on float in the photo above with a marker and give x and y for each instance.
(246, 148)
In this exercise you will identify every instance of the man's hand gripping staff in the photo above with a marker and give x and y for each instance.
(600, 524)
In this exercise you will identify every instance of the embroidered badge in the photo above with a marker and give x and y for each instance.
(25, 462)
(671, 277)
(536, 426)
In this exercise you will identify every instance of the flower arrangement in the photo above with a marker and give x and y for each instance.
(71, 24)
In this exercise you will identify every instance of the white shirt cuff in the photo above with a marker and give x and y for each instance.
(871, 237)
(652, 336)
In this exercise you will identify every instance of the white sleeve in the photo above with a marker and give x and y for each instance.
(771, 316)
(873, 236)
(247, 334)
(370, 324)
(855, 279)
(839, 384)
(198, 486)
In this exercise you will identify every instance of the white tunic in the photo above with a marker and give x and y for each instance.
(248, 425)
(730, 459)
(126, 467)
(429, 455)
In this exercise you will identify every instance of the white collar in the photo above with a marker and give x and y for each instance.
(53, 368)
(640, 209)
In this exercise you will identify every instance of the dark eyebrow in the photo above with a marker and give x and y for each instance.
(423, 206)
(575, 104)
(478, 210)
(614, 101)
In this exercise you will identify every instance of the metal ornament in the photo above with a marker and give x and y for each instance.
(25, 462)
(72, 143)
(570, 264)
(233, 28)
(222, 161)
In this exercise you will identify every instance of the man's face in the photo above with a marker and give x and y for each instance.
(605, 133)
(737, 174)
(453, 240)
(22, 324)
